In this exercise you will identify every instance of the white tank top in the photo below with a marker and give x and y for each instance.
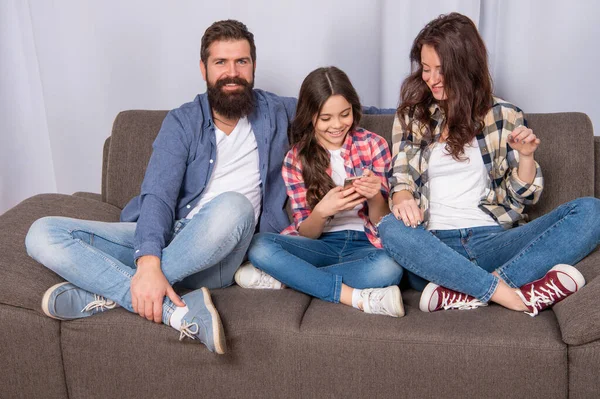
(456, 189)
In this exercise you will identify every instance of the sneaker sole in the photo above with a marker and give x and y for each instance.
(571, 272)
(218, 333)
(46, 300)
(426, 297)
(238, 272)
(400, 309)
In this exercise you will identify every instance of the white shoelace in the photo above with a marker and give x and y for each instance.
(188, 330)
(460, 301)
(99, 303)
(544, 296)
(373, 298)
(265, 281)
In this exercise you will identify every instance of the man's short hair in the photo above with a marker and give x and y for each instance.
(225, 31)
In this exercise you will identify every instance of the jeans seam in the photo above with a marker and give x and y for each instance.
(275, 237)
(71, 231)
(337, 288)
(113, 265)
(490, 292)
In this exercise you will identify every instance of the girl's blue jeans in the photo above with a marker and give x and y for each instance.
(318, 267)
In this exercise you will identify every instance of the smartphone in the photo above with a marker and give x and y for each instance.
(348, 181)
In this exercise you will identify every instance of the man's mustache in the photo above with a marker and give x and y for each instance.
(239, 81)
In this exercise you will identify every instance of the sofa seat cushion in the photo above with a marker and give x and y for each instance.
(285, 344)
(23, 281)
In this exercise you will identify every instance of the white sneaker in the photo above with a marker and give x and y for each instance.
(248, 276)
(384, 301)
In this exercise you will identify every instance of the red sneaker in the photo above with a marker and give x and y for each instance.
(560, 282)
(435, 297)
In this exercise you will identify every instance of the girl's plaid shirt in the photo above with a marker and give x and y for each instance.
(361, 150)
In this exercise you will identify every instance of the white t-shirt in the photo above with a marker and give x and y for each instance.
(344, 220)
(456, 189)
(236, 167)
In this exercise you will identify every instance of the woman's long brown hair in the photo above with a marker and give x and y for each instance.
(467, 81)
(317, 87)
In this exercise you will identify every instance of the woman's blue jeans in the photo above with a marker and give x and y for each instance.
(464, 259)
(205, 251)
(318, 267)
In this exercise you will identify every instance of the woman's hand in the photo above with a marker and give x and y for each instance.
(369, 185)
(523, 141)
(338, 199)
(405, 208)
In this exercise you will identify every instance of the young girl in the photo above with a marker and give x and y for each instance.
(464, 164)
(332, 250)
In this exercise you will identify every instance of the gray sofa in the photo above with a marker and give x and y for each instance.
(284, 343)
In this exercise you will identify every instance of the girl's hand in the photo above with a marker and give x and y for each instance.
(405, 208)
(523, 141)
(337, 200)
(369, 185)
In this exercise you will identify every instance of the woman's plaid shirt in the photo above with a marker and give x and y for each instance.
(361, 150)
(506, 196)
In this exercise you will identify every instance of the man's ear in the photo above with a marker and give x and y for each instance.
(203, 70)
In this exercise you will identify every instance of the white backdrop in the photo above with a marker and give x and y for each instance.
(67, 67)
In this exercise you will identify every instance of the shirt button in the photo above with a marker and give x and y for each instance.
(211, 161)
(137, 251)
(188, 207)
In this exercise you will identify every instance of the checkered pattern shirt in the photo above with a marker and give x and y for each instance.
(361, 150)
(506, 196)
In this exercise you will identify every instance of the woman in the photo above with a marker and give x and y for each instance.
(332, 250)
(463, 172)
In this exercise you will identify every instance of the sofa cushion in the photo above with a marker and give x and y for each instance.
(579, 314)
(584, 373)
(31, 355)
(566, 156)
(23, 281)
(130, 148)
(285, 344)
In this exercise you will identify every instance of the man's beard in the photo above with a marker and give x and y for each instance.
(231, 105)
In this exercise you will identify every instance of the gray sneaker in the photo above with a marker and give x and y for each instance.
(248, 276)
(66, 301)
(384, 301)
(202, 321)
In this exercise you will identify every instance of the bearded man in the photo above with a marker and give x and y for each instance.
(213, 177)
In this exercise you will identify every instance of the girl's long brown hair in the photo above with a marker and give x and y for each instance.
(317, 87)
(467, 81)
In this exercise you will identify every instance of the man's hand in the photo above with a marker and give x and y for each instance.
(149, 287)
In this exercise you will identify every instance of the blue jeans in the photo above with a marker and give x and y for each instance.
(464, 259)
(318, 267)
(205, 251)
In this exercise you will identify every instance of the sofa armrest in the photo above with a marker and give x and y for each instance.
(579, 315)
(85, 194)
